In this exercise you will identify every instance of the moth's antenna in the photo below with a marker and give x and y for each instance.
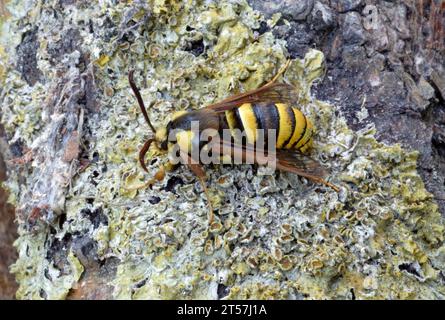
(139, 98)
(142, 153)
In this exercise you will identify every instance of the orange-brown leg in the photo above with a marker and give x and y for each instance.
(326, 183)
(201, 175)
(158, 177)
(280, 72)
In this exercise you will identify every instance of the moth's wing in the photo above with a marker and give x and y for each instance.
(304, 166)
(297, 162)
(273, 93)
(285, 160)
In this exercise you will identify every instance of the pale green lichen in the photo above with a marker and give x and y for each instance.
(275, 235)
(39, 278)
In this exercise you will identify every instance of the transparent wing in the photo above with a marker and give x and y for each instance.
(286, 160)
(273, 93)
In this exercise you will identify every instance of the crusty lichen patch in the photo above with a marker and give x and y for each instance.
(40, 278)
(275, 235)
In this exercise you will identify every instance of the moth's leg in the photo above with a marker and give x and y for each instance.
(280, 72)
(169, 166)
(197, 169)
(326, 183)
(158, 177)
(201, 175)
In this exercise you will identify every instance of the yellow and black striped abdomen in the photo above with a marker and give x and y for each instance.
(293, 129)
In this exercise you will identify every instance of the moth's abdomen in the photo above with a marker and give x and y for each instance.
(293, 129)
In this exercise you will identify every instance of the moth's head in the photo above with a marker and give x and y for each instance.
(161, 138)
(163, 134)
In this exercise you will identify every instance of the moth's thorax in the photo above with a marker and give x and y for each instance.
(185, 140)
(178, 114)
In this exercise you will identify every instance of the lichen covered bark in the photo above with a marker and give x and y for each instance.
(74, 129)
